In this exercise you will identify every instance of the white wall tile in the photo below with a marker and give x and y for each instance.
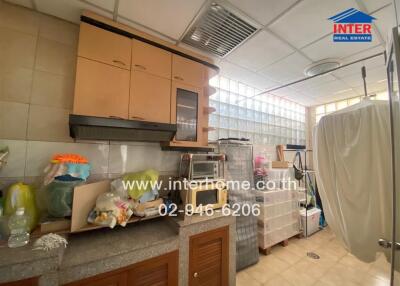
(131, 158)
(15, 166)
(39, 154)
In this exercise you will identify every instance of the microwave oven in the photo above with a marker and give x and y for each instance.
(202, 166)
(205, 194)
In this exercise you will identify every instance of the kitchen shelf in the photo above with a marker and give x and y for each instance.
(210, 90)
(208, 129)
(209, 110)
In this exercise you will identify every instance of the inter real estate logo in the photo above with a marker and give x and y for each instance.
(352, 26)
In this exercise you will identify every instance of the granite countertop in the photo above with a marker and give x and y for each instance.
(104, 243)
(25, 254)
(98, 251)
(197, 218)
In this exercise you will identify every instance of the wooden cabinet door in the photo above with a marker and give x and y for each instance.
(117, 279)
(158, 271)
(151, 59)
(150, 98)
(187, 114)
(26, 282)
(209, 259)
(101, 90)
(104, 46)
(187, 71)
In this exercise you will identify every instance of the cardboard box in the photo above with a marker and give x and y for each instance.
(280, 164)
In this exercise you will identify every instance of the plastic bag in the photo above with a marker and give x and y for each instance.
(137, 184)
(20, 195)
(59, 197)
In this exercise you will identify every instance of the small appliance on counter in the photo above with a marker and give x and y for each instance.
(202, 166)
(202, 181)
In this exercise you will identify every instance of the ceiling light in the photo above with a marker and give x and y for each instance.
(322, 67)
(382, 80)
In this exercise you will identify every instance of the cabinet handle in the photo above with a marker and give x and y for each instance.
(119, 62)
(140, 67)
(115, 117)
(178, 77)
(195, 275)
(137, 117)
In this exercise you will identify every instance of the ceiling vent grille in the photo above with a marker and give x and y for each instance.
(218, 31)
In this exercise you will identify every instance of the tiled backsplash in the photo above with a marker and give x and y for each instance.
(37, 72)
(29, 158)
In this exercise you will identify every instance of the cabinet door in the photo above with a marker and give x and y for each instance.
(101, 90)
(208, 258)
(150, 98)
(160, 271)
(118, 279)
(187, 71)
(151, 59)
(104, 46)
(26, 282)
(186, 111)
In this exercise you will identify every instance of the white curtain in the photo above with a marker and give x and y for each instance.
(352, 156)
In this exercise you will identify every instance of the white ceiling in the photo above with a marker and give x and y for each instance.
(291, 35)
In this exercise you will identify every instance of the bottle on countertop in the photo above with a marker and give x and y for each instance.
(19, 229)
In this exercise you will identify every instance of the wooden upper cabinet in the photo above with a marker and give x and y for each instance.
(209, 258)
(101, 90)
(150, 98)
(104, 46)
(151, 59)
(187, 71)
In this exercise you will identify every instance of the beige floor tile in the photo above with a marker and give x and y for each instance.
(261, 273)
(273, 263)
(351, 261)
(244, 279)
(298, 278)
(311, 267)
(278, 281)
(336, 267)
(344, 274)
(374, 281)
(285, 255)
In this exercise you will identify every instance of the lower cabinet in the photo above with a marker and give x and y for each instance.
(160, 271)
(26, 282)
(157, 271)
(209, 258)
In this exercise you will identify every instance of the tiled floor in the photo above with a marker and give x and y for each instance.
(290, 266)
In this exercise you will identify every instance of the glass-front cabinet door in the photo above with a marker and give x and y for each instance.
(186, 112)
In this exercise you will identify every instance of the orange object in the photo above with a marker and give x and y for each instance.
(70, 158)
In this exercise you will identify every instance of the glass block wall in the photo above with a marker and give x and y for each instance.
(325, 109)
(265, 119)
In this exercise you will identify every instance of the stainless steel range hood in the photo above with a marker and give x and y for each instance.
(99, 128)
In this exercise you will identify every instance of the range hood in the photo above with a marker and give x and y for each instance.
(100, 128)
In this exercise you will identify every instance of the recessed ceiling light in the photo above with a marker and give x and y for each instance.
(322, 67)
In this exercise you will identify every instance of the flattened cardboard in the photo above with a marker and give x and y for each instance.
(84, 201)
